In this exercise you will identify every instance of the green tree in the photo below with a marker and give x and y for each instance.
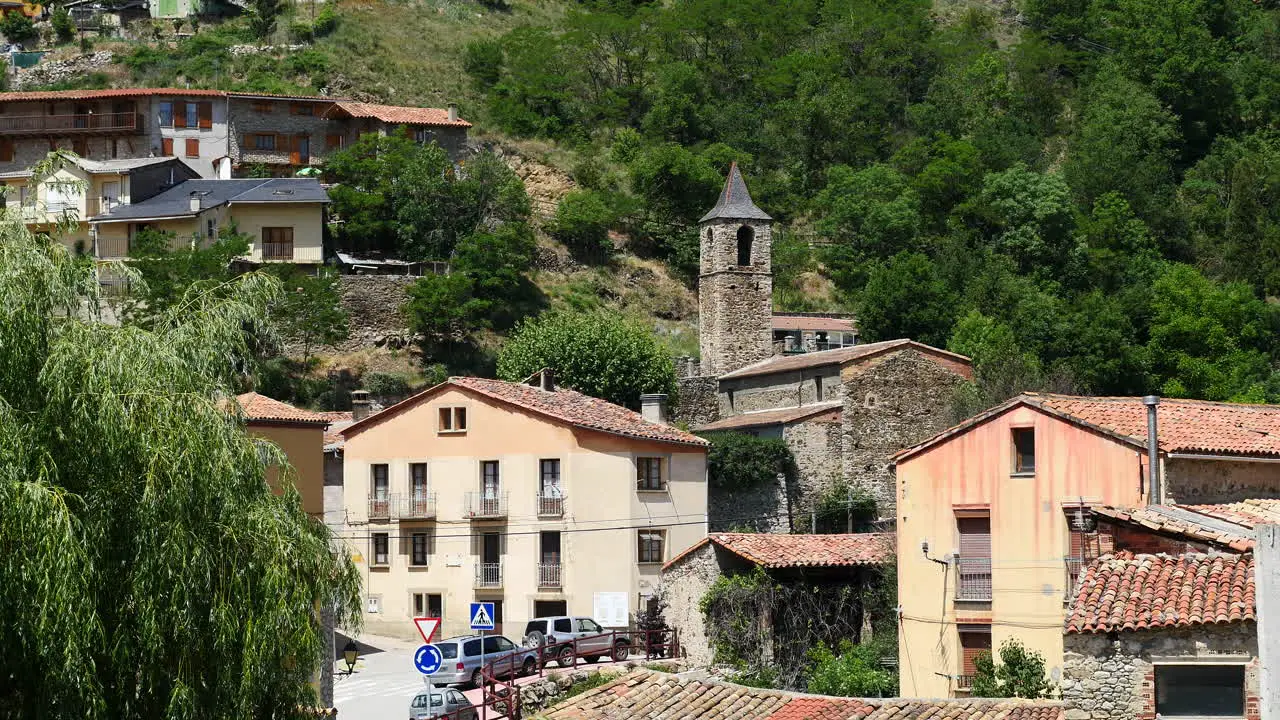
(159, 575)
(737, 461)
(874, 209)
(905, 298)
(854, 672)
(309, 311)
(64, 28)
(582, 223)
(263, 15)
(18, 28)
(1020, 673)
(599, 353)
(170, 267)
(1029, 215)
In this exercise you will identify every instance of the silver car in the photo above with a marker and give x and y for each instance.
(464, 656)
(441, 702)
(564, 638)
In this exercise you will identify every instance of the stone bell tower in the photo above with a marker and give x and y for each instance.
(735, 281)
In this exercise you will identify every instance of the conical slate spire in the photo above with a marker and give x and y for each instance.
(735, 202)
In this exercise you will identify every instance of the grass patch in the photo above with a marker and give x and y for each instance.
(594, 680)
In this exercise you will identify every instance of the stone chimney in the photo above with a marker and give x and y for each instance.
(547, 379)
(360, 405)
(453, 112)
(653, 406)
(195, 203)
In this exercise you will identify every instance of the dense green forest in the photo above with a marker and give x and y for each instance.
(1080, 194)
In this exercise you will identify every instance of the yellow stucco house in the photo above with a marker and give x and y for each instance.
(300, 434)
(534, 497)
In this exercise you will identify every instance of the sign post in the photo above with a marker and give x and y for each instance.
(428, 658)
(482, 620)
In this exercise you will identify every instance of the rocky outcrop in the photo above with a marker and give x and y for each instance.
(545, 184)
(58, 71)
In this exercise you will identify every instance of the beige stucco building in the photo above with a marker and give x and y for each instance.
(539, 499)
(300, 434)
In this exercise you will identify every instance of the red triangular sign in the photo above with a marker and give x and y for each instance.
(427, 628)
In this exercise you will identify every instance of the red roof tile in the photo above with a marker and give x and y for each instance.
(96, 94)
(399, 114)
(1229, 526)
(339, 420)
(771, 417)
(1141, 592)
(785, 321)
(781, 551)
(568, 406)
(262, 408)
(839, 356)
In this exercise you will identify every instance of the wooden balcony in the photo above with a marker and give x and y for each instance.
(129, 123)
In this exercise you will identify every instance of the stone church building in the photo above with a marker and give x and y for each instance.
(844, 412)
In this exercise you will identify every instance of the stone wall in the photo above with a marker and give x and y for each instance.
(780, 390)
(891, 402)
(735, 302)
(815, 443)
(281, 121)
(696, 404)
(1199, 482)
(52, 72)
(373, 306)
(762, 509)
(684, 583)
(1114, 679)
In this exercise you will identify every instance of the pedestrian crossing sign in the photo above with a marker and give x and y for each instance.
(482, 616)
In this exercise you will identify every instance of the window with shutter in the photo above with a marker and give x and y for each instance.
(974, 640)
(193, 148)
(333, 142)
(206, 115)
(179, 114)
(6, 150)
(166, 147)
(975, 558)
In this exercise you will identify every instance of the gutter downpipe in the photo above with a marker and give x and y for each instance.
(1154, 490)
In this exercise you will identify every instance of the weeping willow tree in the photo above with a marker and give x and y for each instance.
(146, 569)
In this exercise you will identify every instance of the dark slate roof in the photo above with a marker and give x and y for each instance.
(735, 202)
(176, 201)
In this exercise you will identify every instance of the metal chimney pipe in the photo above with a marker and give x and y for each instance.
(1154, 491)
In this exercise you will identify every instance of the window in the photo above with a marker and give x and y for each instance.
(381, 554)
(649, 473)
(264, 142)
(373, 603)
(191, 114)
(333, 142)
(211, 228)
(549, 608)
(418, 549)
(1024, 451)
(428, 605)
(1200, 690)
(262, 106)
(495, 644)
(379, 472)
(80, 146)
(302, 109)
(424, 135)
(418, 480)
(471, 647)
(563, 625)
(588, 625)
(489, 480)
(549, 470)
(453, 419)
(974, 640)
(277, 243)
(746, 236)
(166, 147)
(193, 148)
(204, 111)
(1083, 544)
(975, 558)
(6, 150)
(650, 542)
(817, 387)
(166, 113)
(115, 149)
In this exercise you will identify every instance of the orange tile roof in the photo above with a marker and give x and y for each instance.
(839, 356)
(784, 321)
(260, 408)
(782, 551)
(562, 404)
(339, 420)
(771, 417)
(1142, 592)
(643, 694)
(1229, 526)
(110, 93)
(399, 114)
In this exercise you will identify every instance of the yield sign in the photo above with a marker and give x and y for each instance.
(427, 628)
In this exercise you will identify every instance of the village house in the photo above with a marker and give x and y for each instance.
(844, 409)
(997, 516)
(283, 218)
(219, 134)
(1150, 636)
(300, 434)
(537, 498)
(852, 561)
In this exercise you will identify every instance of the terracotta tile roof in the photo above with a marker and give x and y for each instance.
(771, 417)
(564, 405)
(400, 115)
(784, 321)
(264, 409)
(1229, 526)
(1249, 513)
(840, 356)
(97, 94)
(339, 420)
(1185, 426)
(1141, 592)
(645, 694)
(782, 551)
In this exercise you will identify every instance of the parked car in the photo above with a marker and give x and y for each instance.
(564, 637)
(440, 703)
(464, 656)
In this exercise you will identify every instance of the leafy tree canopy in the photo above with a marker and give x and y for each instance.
(737, 461)
(1019, 674)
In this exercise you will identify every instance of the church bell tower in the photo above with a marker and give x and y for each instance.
(735, 281)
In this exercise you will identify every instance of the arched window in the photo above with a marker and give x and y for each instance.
(746, 235)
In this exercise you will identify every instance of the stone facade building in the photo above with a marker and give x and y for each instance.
(1163, 635)
(844, 409)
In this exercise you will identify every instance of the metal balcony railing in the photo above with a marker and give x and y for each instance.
(277, 250)
(380, 507)
(73, 124)
(416, 507)
(964, 682)
(549, 575)
(110, 248)
(489, 575)
(480, 505)
(1074, 566)
(550, 504)
(974, 579)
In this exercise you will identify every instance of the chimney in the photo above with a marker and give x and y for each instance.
(1154, 491)
(653, 406)
(360, 405)
(547, 379)
(453, 112)
(195, 203)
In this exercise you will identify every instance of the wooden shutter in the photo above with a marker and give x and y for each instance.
(973, 642)
(193, 148)
(333, 142)
(6, 150)
(179, 114)
(166, 146)
(206, 115)
(247, 144)
(295, 155)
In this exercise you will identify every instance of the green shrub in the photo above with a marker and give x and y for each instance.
(385, 385)
(64, 28)
(326, 22)
(301, 32)
(18, 28)
(582, 222)
(482, 60)
(737, 461)
(854, 672)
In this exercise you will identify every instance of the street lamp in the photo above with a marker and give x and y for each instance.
(350, 653)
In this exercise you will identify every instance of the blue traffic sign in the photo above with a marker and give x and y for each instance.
(428, 659)
(482, 616)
